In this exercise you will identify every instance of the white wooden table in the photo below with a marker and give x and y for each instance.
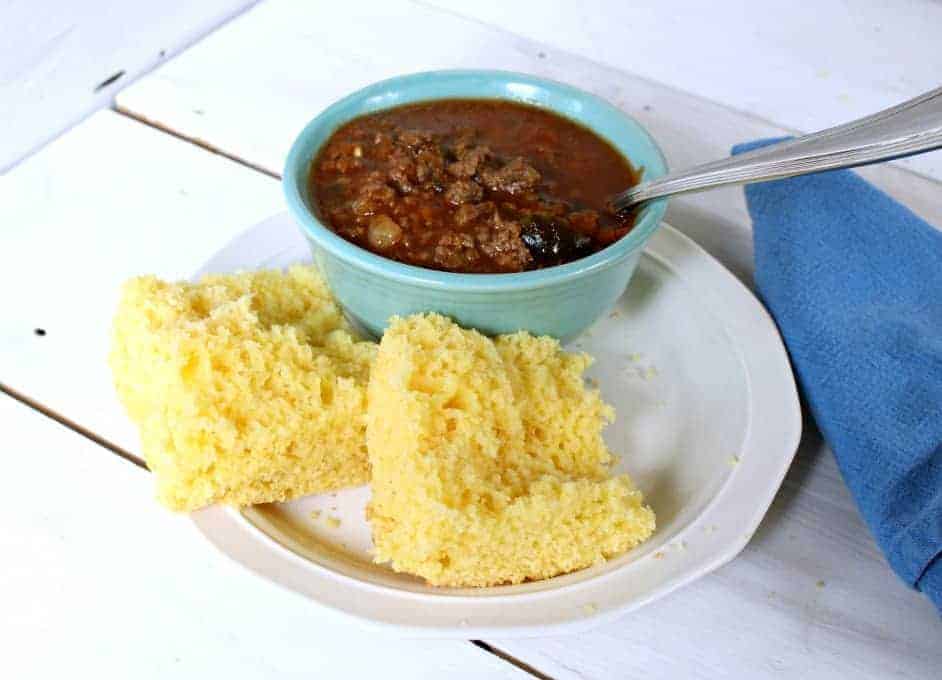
(95, 576)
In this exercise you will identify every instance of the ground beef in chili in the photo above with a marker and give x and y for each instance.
(478, 186)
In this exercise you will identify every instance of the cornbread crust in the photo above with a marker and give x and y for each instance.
(487, 459)
(246, 388)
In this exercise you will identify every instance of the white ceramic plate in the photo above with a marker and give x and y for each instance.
(708, 422)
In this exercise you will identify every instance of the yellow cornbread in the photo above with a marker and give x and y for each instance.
(247, 388)
(488, 465)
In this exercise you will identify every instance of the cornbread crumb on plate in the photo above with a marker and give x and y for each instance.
(488, 460)
(247, 388)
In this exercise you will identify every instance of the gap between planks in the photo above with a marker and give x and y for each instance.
(501, 654)
(72, 425)
(201, 143)
(139, 462)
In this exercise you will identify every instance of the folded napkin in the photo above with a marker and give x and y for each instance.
(854, 281)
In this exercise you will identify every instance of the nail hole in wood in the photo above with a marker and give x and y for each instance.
(108, 81)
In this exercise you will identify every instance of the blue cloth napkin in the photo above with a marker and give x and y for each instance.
(854, 280)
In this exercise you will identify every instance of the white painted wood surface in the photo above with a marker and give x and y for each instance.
(55, 55)
(109, 200)
(98, 581)
(113, 198)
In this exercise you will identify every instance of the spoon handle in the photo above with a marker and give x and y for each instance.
(912, 127)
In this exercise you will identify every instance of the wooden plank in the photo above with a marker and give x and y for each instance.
(110, 200)
(97, 579)
(62, 61)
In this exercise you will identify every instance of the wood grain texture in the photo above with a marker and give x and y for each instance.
(97, 580)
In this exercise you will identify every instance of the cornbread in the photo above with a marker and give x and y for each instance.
(247, 388)
(488, 464)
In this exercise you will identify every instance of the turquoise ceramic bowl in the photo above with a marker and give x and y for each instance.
(559, 301)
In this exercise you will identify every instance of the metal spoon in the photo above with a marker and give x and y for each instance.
(910, 128)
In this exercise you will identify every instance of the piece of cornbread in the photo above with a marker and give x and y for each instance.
(488, 465)
(247, 388)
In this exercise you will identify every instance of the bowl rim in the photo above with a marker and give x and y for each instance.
(298, 158)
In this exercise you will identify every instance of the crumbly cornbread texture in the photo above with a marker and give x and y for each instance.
(488, 464)
(247, 388)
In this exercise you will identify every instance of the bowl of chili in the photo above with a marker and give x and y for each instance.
(477, 194)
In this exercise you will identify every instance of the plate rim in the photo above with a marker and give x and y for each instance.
(748, 322)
